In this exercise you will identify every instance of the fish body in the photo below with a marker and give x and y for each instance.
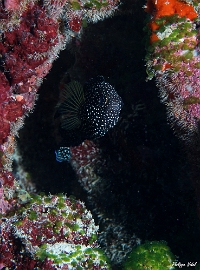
(63, 154)
(87, 112)
(101, 109)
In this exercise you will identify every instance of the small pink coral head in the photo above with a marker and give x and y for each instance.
(11, 4)
(75, 23)
(2, 266)
(4, 206)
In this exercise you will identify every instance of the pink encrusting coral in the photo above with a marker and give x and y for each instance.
(28, 39)
(11, 4)
(173, 58)
(51, 232)
(25, 51)
(86, 161)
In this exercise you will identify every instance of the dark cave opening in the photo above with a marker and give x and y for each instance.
(147, 175)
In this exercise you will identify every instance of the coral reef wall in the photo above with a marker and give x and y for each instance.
(135, 181)
(173, 58)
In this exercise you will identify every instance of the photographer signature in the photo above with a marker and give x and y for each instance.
(180, 265)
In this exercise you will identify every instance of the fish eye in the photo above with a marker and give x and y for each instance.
(103, 100)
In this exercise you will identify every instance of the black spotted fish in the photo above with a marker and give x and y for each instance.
(86, 112)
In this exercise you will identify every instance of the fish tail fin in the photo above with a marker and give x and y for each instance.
(68, 109)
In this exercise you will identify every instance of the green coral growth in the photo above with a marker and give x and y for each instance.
(175, 45)
(36, 199)
(154, 255)
(75, 256)
(96, 4)
(76, 5)
(32, 215)
(41, 253)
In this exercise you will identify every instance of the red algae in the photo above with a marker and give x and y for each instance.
(161, 8)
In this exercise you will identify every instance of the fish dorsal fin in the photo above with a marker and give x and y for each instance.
(92, 83)
(71, 101)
